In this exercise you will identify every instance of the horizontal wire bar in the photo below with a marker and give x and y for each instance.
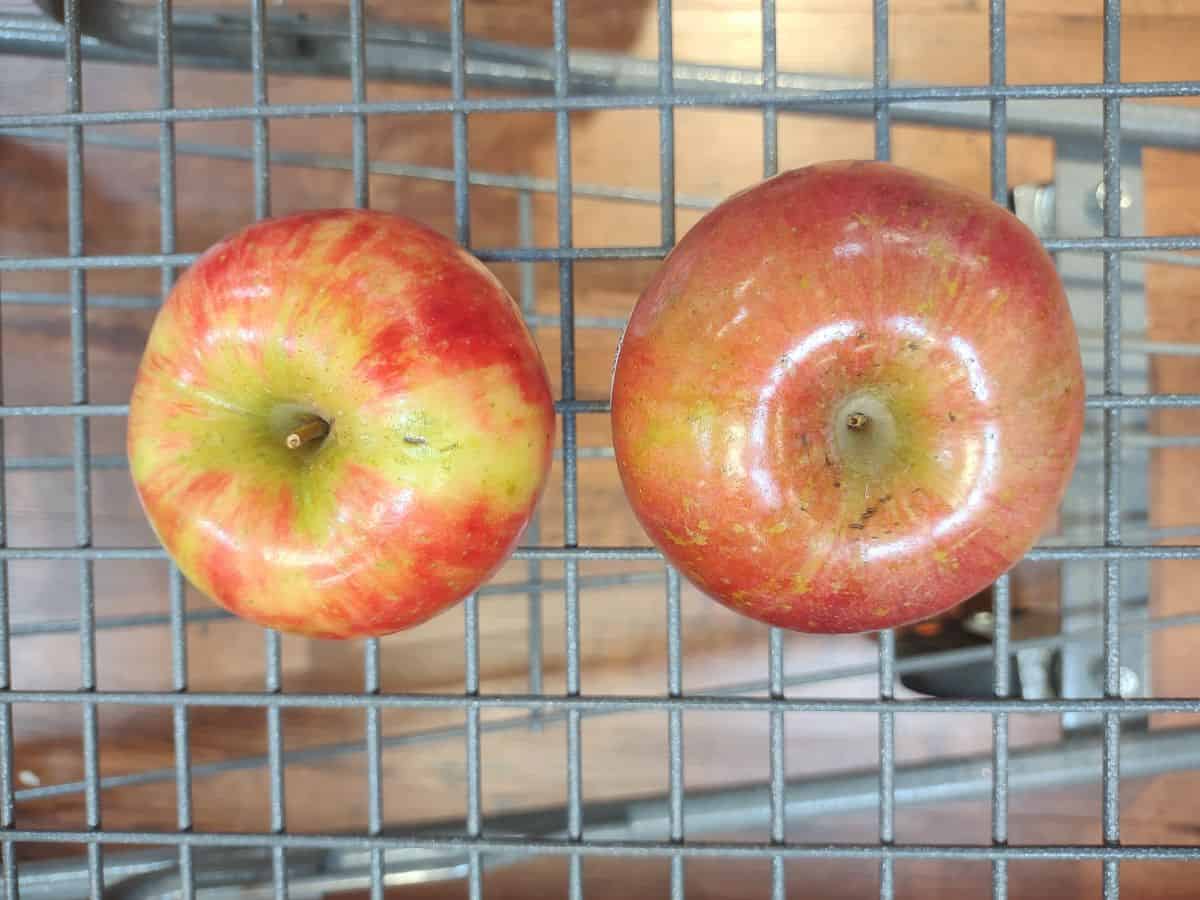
(1141, 401)
(62, 463)
(560, 847)
(132, 301)
(1125, 243)
(57, 463)
(498, 254)
(751, 98)
(1094, 401)
(66, 409)
(557, 254)
(1187, 551)
(94, 301)
(122, 409)
(1139, 706)
(1134, 443)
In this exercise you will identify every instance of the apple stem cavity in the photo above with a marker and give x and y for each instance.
(865, 433)
(312, 428)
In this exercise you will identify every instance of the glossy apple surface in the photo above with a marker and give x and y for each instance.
(340, 425)
(850, 398)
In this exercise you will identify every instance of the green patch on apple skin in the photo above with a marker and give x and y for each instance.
(427, 440)
(897, 448)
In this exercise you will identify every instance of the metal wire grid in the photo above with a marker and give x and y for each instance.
(574, 704)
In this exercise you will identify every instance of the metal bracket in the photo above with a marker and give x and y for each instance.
(1073, 206)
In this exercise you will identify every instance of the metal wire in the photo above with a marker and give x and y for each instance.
(564, 406)
(1111, 784)
(81, 445)
(733, 98)
(537, 708)
(619, 848)
(474, 751)
(1002, 607)
(533, 532)
(675, 727)
(1055, 553)
(887, 639)
(8, 860)
(566, 295)
(179, 674)
(581, 703)
(374, 751)
(777, 735)
(563, 254)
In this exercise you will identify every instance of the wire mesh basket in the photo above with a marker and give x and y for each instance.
(151, 746)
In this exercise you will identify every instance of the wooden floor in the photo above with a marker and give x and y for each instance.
(623, 628)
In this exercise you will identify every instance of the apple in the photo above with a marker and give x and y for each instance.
(849, 399)
(340, 425)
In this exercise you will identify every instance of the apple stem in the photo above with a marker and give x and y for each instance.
(311, 429)
(857, 421)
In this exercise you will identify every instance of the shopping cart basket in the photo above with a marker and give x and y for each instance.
(1082, 658)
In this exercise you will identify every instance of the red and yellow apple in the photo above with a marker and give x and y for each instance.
(340, 425)
(849, 399)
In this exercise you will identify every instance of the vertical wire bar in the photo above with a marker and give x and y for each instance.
(462, 228)
(358, 93)
(770, 65)
(1001, 679)
(7, 811)
(666, 124)
(262, 145)
(275, 763)
(566, 295)
(1111, 817)
(778, 735)
(675, 727)
(183, 757)
(458, 89)
(887, 639)
(371, 676)
(82, 452)
(883, 113)
(371, 683)
(998, 77)
(533, 534)
(778, 725)
(1002, 606)
(166, 142)
(167, 241)
(666, 191)
(272, 646)
(474, 756)
(887, 761)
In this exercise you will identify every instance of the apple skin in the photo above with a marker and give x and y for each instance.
(441, 423)
(850, 398)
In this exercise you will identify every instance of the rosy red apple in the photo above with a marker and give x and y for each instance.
(341, 424)
(850, 398)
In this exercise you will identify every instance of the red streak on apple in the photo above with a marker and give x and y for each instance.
(850, 398)
(425, 407)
